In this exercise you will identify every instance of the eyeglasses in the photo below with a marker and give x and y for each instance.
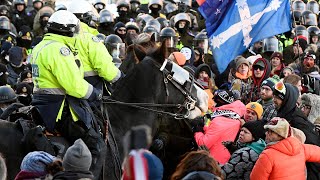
(305, 106)
(258, 67)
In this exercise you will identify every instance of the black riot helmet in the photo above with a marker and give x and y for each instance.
(313, 6)
(19, 2)
(5, 23)
(115, 46)
(4, 11)
(134, 5)
(184, 5)
(298, 5)
(313, 31)
(7, 94)
(168, 36)
(101, 36)
(105, 17)
(182, 17)
(297, 17)
(271, 44)
(155, 23)
(123, 3)
(143, 19)
(170, 8)
(301, 30)
(163, 22)
(99, 5)
(201, 40)
(155, 4)
(309, 18)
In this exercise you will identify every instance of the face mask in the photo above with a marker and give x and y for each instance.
(186, 52)
(25, 100)
(122, 13)
(24, 43)
(43, 24)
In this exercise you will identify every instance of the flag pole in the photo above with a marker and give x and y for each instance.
(296, 36)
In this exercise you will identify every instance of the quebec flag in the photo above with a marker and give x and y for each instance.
(234, 25)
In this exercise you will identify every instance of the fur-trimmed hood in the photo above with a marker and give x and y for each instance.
(312, 100)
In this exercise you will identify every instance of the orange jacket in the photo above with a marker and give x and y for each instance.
(285, 160)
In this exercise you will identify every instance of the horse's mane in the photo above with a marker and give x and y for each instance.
(159, 54)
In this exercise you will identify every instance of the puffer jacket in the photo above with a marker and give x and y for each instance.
(242, 161)
(222, 127)
(285, 160)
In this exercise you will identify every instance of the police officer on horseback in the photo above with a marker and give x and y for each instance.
(61, 94)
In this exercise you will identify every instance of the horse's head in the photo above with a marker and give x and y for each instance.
(180, 87)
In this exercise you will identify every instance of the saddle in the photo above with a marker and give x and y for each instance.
(35, 137)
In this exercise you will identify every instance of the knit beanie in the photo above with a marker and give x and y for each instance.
(256, 129)
(16, 56)
(277, 54)
(23, 88)
(119, 25)
(77, 157)
(270, 82)
(280, 90)
(256, 107)
(5, 47)
(25, 74)
(302, 41)
(279, 126)
(223, 97)
(36, 161)
(241, 60)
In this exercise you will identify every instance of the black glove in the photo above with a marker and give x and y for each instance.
(198, 121)
(96, 95)
(197, 129)
(158, 144)
(231, 146)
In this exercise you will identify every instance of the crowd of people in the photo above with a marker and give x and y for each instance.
(263, 120)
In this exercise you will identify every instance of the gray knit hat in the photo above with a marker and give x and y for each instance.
(77, 157)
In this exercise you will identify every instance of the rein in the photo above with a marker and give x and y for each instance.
(188, 104)
(144, 106)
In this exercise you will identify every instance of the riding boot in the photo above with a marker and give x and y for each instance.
(98, 150)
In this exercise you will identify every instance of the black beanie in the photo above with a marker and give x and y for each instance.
(256, 129)
(23, 88)
(25, 74)
(119, 25)
(224, 97)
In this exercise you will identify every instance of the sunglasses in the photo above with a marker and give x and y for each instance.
(258, 67)
(123, 30)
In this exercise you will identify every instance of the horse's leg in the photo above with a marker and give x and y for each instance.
(112, 161)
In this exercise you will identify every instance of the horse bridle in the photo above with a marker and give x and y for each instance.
(188, 104)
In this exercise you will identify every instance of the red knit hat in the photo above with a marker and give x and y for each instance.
(276, 54)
